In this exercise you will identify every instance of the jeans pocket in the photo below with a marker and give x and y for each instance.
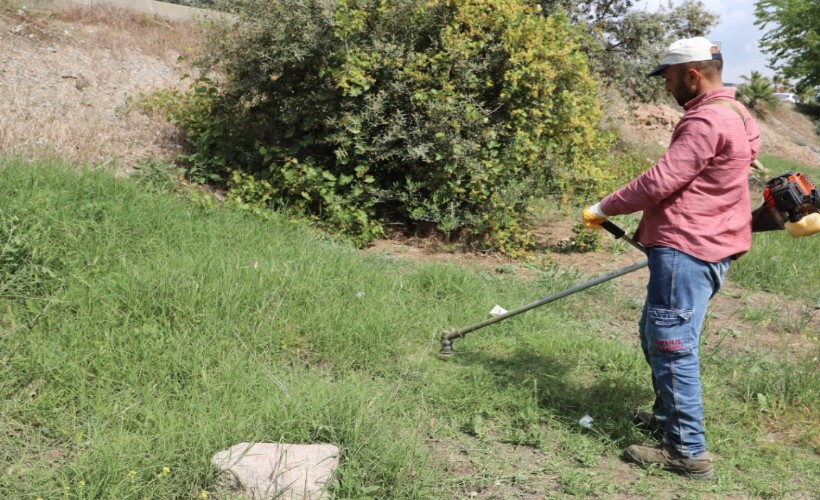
(670, 331)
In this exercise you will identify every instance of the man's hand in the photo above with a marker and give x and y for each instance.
(809, 224)
(593, 216)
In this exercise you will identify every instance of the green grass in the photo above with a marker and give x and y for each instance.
(140, 333)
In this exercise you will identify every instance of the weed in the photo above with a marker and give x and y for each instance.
(762, 315)
(158, 176)
(23, 268)
(582, 240)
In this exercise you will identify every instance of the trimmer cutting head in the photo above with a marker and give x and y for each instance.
(446, 348)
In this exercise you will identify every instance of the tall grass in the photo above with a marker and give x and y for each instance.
(166, 331)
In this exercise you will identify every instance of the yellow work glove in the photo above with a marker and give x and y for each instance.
(593, 216)
(809, 224)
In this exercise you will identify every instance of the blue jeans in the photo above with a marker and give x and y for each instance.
(679, 289)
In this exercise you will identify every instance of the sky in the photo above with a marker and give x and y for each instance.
(735, 32)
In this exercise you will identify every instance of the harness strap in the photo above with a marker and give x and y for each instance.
(729, 105)
(755, 164)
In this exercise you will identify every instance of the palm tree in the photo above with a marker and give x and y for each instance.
(757, 93)
(781, 84)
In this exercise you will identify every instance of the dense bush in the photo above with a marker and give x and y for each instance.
(445, 115)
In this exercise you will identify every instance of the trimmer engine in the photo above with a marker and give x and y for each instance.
(787, 197)
(793, 194)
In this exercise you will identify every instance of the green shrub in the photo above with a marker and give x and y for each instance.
(628, 164)
(157, 176)
(443, 115)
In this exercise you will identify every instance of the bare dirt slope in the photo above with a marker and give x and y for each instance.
(67, 80)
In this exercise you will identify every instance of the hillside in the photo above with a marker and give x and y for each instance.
(172, 311)
(68, 81)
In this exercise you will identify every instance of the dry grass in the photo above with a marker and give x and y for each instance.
(119, 29)
(67, 78)
(797, 134)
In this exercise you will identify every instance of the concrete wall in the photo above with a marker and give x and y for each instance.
(167, 10)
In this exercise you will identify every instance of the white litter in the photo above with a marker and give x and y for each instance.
(497, 311)
(585, 422)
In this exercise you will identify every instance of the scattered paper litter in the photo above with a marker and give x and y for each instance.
(585, 422)
(497, 311)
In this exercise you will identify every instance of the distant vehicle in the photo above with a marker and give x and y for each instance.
(786, 96)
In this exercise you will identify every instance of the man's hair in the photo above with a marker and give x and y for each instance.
(710, 69)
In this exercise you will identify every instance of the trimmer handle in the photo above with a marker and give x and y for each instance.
(619, 233)
(613, 229)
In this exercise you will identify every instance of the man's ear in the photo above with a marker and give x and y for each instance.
(693, 77)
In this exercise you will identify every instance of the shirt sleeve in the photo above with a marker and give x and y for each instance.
(693, 147)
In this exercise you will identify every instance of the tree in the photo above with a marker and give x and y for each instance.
(635, 43)
(757, 93)
(781, 84)
(601, 14)
(624, 44)
(793, 40)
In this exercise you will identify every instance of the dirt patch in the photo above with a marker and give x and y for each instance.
(68, 79)
(527, 474)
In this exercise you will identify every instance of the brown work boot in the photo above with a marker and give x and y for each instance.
(699, 467)
(648, 421)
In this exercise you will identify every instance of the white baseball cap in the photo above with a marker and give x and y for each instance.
(687, 50)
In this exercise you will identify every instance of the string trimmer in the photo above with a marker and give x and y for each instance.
(448, 337)
(788, 197)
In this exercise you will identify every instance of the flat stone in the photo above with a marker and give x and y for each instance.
(276, 470)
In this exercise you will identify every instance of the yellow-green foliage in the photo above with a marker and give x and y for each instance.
(450, 114)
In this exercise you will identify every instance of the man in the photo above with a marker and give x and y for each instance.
(696, 219)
